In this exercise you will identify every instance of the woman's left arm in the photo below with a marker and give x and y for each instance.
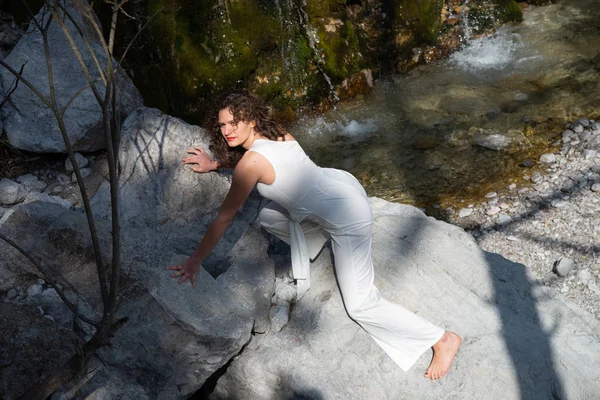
(246, 174)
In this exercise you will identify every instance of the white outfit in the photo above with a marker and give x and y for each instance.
(311, 204)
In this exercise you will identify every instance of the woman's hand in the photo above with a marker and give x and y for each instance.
(187, 270)
(202, 162)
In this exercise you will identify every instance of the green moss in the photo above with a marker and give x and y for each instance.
(423, 17)
(341, 51)
(508, 11)
(323, 8)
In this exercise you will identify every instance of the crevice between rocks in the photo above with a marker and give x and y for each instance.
(211, 383)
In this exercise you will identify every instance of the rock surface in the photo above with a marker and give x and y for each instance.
(30, 348)
(11, 192)
(28, 122)
(518, 337)
(168, 324)
(165, 208)
(168, 202)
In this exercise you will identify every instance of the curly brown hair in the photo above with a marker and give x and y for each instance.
(246, 107)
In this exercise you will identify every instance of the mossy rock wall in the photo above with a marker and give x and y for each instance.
(294, 53)
(290, 52)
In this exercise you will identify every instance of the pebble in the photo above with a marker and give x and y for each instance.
(536, 177)
(63, 179)
(547, 158)
(527, 163)
(12, 293)
(34, 290)
(81, 162)
(583, 276)
(563, 267)
(11, 192)
(491, 195)
(589, 154)
(512, 238)
(279, 316)
(32, 183)
(85, 172)
(585, 122)
(596, 187)
(594, 287)
(465, 212)
(284, 293)
(493, 210)
(504, 219)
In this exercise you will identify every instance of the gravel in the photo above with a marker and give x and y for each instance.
(551, 225)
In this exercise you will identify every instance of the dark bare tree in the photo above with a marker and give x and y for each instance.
(104, 89)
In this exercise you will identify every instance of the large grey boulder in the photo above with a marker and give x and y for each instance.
(28, 122)
(520, 340)
(177, 335)
(168, 203)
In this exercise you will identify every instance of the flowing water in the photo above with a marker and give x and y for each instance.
(412, 139)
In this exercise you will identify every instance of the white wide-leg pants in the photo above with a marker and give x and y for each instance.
(403, 335)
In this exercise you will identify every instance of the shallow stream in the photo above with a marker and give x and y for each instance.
(412, 140)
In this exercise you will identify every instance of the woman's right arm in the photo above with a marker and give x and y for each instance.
(245, 176)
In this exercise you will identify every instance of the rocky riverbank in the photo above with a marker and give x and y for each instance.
(551, 225)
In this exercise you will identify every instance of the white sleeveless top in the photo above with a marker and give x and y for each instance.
(333, 198)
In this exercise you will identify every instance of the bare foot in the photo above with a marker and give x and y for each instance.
(443, 355)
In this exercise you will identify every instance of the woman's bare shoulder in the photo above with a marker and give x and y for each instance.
(252, 159)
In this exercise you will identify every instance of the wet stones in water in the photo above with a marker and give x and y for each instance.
(528, 163)
(494, 141)
(493, 114)
(427, 142)
(511, 107)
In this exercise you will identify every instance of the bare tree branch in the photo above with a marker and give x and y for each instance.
(112, 142)
(86, 41)
(27, 83)
(50, 280)
(81, 90)
(78, 56)
(12, 89)
(137, 34)
(67, 141)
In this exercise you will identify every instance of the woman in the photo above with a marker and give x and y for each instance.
(309, 205)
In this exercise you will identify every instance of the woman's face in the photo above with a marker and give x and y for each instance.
(236, 134)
